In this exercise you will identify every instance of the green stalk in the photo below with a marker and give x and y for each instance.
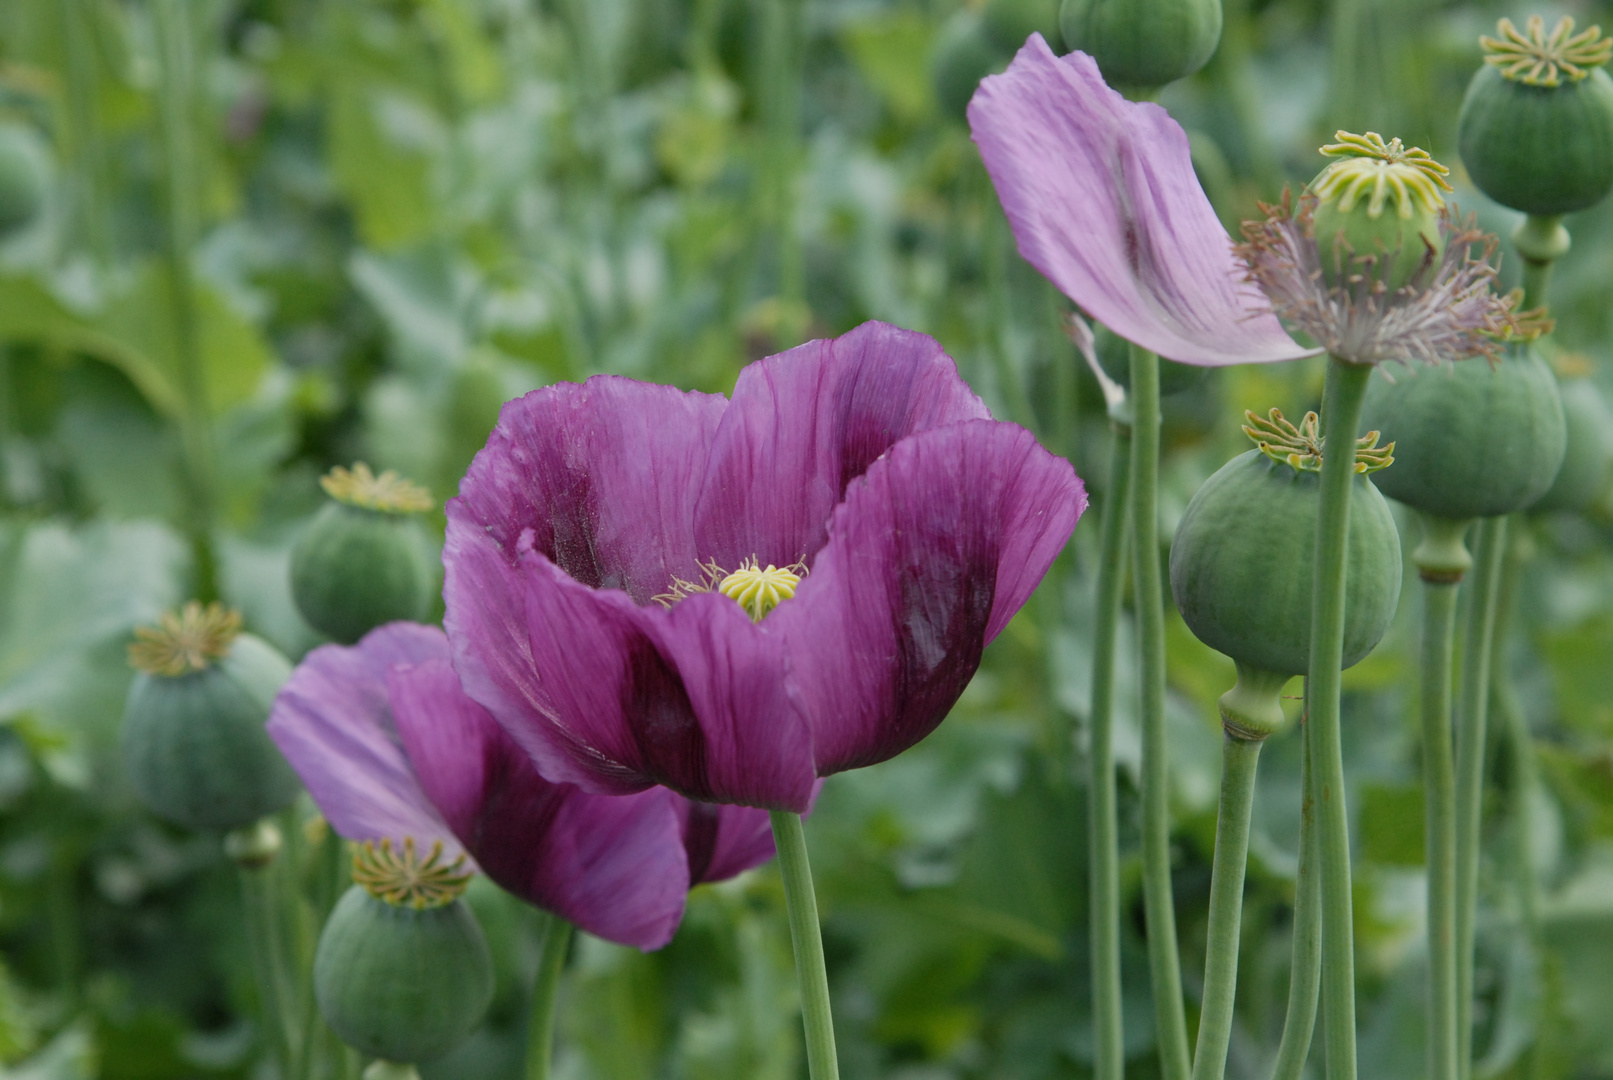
(1164, 961)
(802, 905)
(1305, 971)
(1103, 841)
(254, 850)
(1471, 719)
(545, 993)
(1238, 760)
(1541, 239)
(1341, 418)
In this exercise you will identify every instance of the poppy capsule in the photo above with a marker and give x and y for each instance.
(1143, 44)
(1377, 212)
(1241, 564)
(362, 562)
(194, 741)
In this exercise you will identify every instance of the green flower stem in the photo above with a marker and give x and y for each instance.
(1439, 824)
(1471, 719)
(254, 849)
(1238, 760)
(1305, 971)
(1103, 843)
(1164, 962)
(1341, 419)
(802, 905)
(545, 993)
(1541, 239)
(1508, 711)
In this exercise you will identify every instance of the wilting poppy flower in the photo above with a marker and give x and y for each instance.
(1102, 198)
(393, 751)
(875, 526)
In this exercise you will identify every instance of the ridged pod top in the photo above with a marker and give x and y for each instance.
(1536, 58)
(403, 879)
(388, 493)
(1300, 447)
(186, 640)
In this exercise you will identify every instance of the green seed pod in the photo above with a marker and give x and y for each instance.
(1379, 201)
(22, 178)
(1242, 558)
(1473, 440)
(963, 55)
(1114, 357)
(1143, 44)
(194, 741)
(1536, 126)
(1588, 453)
(362, 561)
(402, 971)
(1009, 22)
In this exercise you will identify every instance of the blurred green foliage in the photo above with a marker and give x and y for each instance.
(411, 211)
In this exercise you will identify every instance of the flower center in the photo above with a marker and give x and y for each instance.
(403, 879)
(1381, 170)
(1300, 448)
(760, 589)
(185, 641)
(388, 493)
(1536, 59)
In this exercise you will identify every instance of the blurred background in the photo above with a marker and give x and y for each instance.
(242, 241)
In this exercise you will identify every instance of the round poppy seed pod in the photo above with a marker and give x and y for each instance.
(1471, 440)
(194, 742)
(362, 561)
(1588, 450)
(1241, 564)
(1114, 356)
(402, 971)
(1536, 126)
(1143, 44)
(22, 179)
(964, 53)
(1378, 201)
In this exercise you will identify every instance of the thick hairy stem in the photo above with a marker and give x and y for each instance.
(545, 993)
(1238, 760)
(1164, 960)
(1103, 844)
(1341, 419)
(802, 905)
(1305, 971)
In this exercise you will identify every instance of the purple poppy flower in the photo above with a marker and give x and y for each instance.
(392, 749)
(594, 538)
(1102, 198)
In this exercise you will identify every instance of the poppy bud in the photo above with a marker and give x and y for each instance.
(402, 971)
(1377, 210)
(1536, 126)
(1143, 44)
(1473, 440)
(22, 178)
(194, 741)
(362, 562)
(1241, 564)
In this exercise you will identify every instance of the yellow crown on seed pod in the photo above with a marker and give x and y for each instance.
(1300, 447)
(186, 640)
(1378, 170)
(403, 879)
(1535, 58)
(388, 493)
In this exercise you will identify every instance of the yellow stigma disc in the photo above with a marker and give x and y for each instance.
(1380, 170)
(388, 493)
(403, 879)
(759, 590)
(1536, 58)
(186, 640)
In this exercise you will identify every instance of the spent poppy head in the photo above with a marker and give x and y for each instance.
(395, 754)
(736, 597)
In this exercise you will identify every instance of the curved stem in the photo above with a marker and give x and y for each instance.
(1103, 842)
(1341, 418)
(1238, 760)
(1439, 825)
(1471, 719)
(545, 993)
(1305, 971)
(802, 905)
(1164, 962)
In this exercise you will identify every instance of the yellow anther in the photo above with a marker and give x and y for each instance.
(1380, 170)
(759, 590)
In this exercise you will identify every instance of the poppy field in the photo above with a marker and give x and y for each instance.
(788, 539)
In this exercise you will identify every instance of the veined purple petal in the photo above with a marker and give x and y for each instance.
(616, 867)
(333, 721)
(933, 551)
(804, 424)
(723, 840)
(1102, 198)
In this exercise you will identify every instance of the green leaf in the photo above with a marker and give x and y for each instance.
(892, 52)
(379, 146)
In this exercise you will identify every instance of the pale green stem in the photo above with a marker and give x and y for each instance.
(1305, 970)
(1439, 824)
(1541, 239)
(545, 994)
(1164, 960)
(1103, 843)
(254, 850)
(802, 904)
(1341, 418)
(1238, 760)
(1471, 720)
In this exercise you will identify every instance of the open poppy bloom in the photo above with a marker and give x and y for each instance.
(393, 752)
(734, 598)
